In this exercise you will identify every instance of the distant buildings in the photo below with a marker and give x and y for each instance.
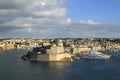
(74, 46)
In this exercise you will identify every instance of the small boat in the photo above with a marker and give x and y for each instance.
(95, 55)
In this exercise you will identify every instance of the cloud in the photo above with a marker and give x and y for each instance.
(89, 22)
(46, 18)
(33, 7)
(74, 30)
(19, 22)
(14, 9)
(15, 14)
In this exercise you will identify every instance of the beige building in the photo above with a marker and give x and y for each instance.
(55, 50)
(53, 57)
(55, 53)
(80, 49)
(5, 45)
(97, 48)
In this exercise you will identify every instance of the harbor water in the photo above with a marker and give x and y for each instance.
(12, 67)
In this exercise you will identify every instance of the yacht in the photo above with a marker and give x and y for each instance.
(95, 55)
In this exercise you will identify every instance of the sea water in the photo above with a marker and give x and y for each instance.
(12, 67)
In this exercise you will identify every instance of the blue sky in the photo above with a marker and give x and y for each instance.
(60, 18)
(103, 11)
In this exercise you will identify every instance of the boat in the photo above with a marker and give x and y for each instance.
(95, 55)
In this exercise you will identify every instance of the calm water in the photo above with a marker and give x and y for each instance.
(13, 68)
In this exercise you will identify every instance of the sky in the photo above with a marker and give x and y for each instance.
(60, 18)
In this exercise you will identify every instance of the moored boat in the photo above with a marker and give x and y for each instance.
(95, 55)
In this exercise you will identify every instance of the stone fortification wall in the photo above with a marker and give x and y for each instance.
(55, 50)
(43, 57)
(53, 57)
